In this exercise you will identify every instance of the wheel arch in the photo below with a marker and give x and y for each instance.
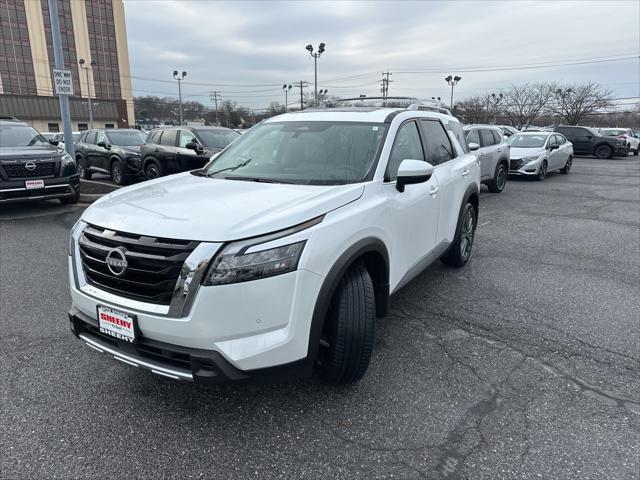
(113, 158)
(373, 254)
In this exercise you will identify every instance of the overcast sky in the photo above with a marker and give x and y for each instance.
(247, 50)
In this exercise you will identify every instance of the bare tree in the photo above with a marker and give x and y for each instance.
(575, 102)
(523, 103)
(471, 110)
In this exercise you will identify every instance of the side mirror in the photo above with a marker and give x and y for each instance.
(103, 145)
(554, 147)
(193, 146)
(54, 142)
(473, 146)
(411, 172)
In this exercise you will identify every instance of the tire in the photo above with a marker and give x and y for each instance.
(542, 172)
(635, 152)
(117, 173)
(152, 170)
(459, 252)
(348, 331)
(567, 166)
(499, 179)
(71, 200)
(81, 166)
(603, 152)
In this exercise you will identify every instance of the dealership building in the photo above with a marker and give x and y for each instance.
(94, 44)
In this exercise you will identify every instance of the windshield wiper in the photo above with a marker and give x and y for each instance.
(230, 169)
(259, 180)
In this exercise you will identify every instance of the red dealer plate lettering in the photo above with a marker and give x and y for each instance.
(117, 324)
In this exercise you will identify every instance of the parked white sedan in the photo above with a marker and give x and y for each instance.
(536, 153)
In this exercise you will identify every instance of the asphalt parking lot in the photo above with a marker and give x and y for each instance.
(525, 364)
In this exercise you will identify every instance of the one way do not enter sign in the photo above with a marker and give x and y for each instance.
(63, 85)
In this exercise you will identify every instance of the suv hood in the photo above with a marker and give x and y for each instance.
(30, 153)
(188, 207)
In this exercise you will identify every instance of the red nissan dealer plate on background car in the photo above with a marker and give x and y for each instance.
(117, 324)
(33, 184)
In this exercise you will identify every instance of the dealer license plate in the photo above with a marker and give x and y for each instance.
(116, 323)
(34, 184)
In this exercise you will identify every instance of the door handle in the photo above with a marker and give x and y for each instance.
(433, 191)
(465, 172)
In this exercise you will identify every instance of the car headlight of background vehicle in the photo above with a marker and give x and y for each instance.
(65, 160)
(67, 165)
(233, 264)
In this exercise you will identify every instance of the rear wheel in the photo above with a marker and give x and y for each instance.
(152, 171)
(499, 179)
(459, 252)
(567, 166)
(81, 166)
(348, 331)
(542, 172)
(117, 173)
(603, 151)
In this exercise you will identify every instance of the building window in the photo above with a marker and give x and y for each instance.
(53, 127)
(108, 125)
(83, 126)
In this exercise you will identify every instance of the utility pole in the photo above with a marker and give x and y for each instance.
(385, 84)
(301, 84)
(214, 97)
(64, 99)
(179, 79)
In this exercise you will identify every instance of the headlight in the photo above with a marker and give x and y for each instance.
(79, 225)
(531, 158)
(234, 265)
(65, 160)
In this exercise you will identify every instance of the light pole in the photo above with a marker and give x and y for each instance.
(453, 81)
(86, 69)
(287, 89)
(179, 79)
(496, 100)
(315, 56)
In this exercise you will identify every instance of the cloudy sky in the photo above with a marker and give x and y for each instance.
(247, 50)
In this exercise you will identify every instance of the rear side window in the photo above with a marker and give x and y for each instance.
(406, 146)
(456, 129)
(473, 136)
(496, 136)
(487, 137)
(168, 138)
(439, 148)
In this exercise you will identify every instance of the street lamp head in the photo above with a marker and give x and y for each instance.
(81, 61)
(93, 63)
(448, 79)
(184, 74)
(289, 87)
(175, 74)
(321, 48)
(284, 87)
(457, 79)
(310, 48)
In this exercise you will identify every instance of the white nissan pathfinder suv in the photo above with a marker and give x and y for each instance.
(274, 259)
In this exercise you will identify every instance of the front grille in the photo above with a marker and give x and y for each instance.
(19, 170)
(516, 164)
(153, 264)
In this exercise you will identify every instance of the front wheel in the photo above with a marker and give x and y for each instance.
(542, 173)
(459, 252)
(603, 151)
(347, 335)
(499, 179)
(567, 166)
(117, 173)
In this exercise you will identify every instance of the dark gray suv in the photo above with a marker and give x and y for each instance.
(32, 168)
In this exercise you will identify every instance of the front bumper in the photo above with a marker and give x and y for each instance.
(58, 187)
(518, 167)
(176, 362)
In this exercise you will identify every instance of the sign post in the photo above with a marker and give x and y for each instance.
(62, 83)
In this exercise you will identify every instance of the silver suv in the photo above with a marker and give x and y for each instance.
(494, 154)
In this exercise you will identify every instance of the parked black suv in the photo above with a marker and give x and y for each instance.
(179, 149)
(32, 168)
(586, 141)
(114, 151)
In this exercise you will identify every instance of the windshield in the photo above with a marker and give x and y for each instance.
(527, 141)
(312, 153)
(126, 138)
(20, 136)
(217, 138)
(612, 132)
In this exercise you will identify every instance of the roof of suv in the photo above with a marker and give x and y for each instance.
(355, 114)
(12, 121)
